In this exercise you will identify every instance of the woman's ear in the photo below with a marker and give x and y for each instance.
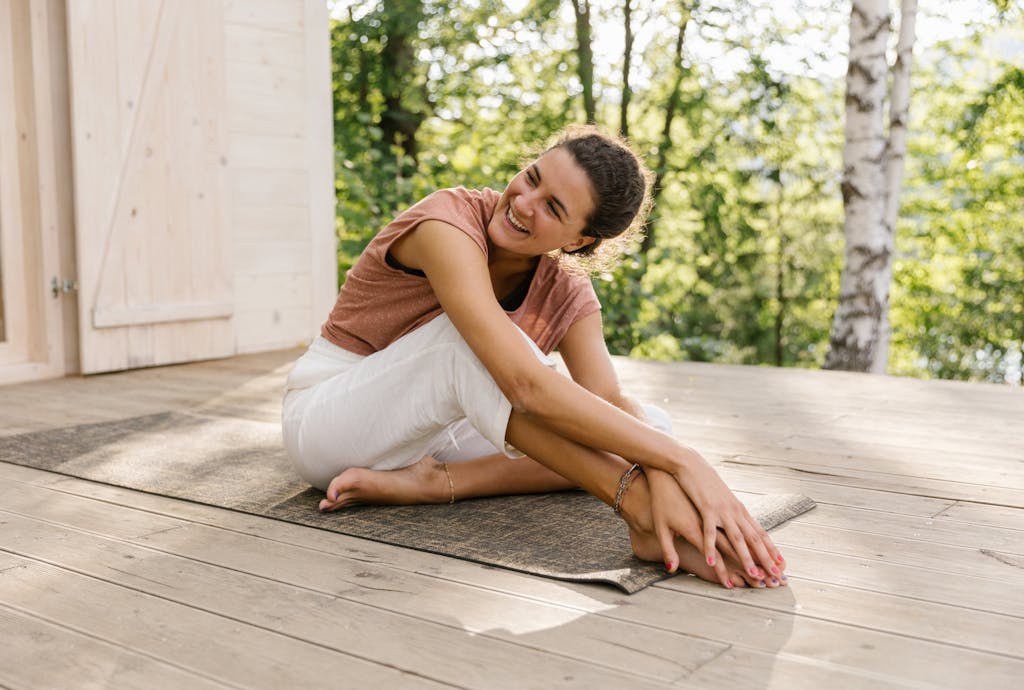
(582, 242)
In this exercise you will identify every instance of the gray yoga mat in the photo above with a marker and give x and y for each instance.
(240, 464)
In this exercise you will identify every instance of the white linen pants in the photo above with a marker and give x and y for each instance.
(425, 394)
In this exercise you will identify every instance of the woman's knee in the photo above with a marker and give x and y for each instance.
(657, 417)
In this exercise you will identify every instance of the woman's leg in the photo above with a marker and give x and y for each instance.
(387, 410)
(426, 481)
(598, 472)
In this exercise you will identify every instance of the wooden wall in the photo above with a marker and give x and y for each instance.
(180, 174)
(280, 152)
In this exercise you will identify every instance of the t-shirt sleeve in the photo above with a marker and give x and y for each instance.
(459, 207)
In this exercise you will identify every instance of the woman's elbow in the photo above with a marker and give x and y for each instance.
(527, 391)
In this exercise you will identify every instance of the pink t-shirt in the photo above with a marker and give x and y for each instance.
(379, 303)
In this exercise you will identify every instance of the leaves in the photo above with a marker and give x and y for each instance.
(745, 266)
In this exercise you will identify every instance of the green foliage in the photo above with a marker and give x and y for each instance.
(958, 304)
(746, 261)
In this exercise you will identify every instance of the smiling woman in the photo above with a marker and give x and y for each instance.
(430, 381)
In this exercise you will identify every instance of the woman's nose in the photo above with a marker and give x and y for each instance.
(529, 203)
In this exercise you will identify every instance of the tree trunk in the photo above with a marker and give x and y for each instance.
(398, 122)
(585, 58)
(899, 107)
(855, 342)
(627, 56)
(780, 279)
(665, 144)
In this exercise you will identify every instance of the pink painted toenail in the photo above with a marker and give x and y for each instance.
(711, 560)
(775, 570)
(729, 584)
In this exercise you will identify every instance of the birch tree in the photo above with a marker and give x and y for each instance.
(872, 175)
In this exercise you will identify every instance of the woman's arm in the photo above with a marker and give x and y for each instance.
(585, 354)
(458, 274)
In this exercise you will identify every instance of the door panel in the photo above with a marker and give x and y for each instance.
(149, 142)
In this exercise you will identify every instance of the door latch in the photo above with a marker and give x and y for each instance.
(60, 286)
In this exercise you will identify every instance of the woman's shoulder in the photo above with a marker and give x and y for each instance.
(564, 278)
(479, 200)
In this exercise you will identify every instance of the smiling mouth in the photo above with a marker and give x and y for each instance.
(515, 222)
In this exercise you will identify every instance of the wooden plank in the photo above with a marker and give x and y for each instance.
(265, 99)
(328, 620)
(926, 556)
(743, 479)
(900, 579)
(263, 45)
(742, 620)
(284, 327)
(17, 193)
(150, 191)
(897, 483)
(994, 468)
(900, 614)
(38, 653)
(111, 317)
(549, 628)
(655, 609)
(978, 514)
(827, 572)
(280, 16)
(266, 150)
(271, 187)
(884, 524)
(255, 257)
(740, 667)
(203, 545)
(320, 161)
(269, 222)
(206, 645)
(286, 289)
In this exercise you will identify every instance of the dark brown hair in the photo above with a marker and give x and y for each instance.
(621, 187)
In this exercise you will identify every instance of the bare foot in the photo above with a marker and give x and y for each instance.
(421, 482)
(647, 548)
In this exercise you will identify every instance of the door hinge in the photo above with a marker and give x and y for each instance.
(61, 286)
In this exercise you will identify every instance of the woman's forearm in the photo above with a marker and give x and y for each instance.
(577, 414)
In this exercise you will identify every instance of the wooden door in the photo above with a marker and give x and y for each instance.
(35, 204)
(150, 161)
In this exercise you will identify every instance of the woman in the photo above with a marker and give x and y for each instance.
(429, 381)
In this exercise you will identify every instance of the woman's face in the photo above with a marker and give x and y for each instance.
(544, 207)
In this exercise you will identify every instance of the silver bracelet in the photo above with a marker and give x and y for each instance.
(624, 483)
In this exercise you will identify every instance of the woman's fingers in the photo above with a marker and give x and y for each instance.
(710, 537)
(667, 541)
(736, 537)
(759, 541)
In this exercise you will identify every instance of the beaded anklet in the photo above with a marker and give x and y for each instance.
(451, 484)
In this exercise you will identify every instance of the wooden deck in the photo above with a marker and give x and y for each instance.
(909, 574)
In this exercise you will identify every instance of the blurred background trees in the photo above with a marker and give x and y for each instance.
(738, 109)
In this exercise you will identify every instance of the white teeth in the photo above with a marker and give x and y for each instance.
(515, 221)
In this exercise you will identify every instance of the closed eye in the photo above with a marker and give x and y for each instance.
(533, 177)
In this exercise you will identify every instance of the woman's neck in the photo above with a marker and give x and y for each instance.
(503, 264)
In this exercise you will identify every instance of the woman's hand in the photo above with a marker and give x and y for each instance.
(726, 523)
(672, 514)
